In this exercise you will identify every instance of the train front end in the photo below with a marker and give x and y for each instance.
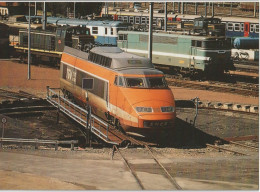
(218, 50)
(149, 100)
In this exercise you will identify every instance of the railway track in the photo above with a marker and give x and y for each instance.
(16, 95)
(247, 66)
(246, 89)
(158, 163)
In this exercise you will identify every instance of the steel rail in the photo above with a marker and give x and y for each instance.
(173, 181)
(221, 148)
(128, 166)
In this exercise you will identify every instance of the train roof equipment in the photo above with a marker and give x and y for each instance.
(118, 59)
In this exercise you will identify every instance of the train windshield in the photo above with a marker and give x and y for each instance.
(219, 44)
(156, 82)
(148, 82)
(135, 82)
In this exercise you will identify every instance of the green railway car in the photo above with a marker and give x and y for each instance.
(210, 55)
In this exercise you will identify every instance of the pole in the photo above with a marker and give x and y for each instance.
(230, 8)
(165, 17)
(150, 43)
(254, 9)
(196, 8)
(29, 44)
(182, 7)
(205, 9)
(74, 10)
(44, 17)
(35, 9)
(212, 9)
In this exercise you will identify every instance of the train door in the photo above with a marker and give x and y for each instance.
(246, 29)
(60, 39)
(193, 54)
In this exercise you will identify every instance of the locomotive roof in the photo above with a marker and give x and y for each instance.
(172, 34)
(121, 59)
(105, 23)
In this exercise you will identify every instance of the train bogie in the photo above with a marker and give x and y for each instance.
(127, 91)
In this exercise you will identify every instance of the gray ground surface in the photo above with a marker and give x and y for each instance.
(193, 165)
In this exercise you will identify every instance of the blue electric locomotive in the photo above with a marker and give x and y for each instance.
(105, 32)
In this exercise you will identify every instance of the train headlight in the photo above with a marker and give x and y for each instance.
(144, 109)
(167, 109)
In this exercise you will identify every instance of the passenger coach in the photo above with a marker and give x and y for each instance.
(128, 91)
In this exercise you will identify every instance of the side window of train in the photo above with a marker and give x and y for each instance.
(115, 82)
(119, 18)
(242, 27)
(137, 20)
(106, 31)
(131, 19)
(112, 31)
(120, 81)
(230, 26)
(94, 30)
(257, 28)
(143, 20)
(236, 27)
(125, 19)
(252, 27)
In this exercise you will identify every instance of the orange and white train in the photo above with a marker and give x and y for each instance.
(128, 91)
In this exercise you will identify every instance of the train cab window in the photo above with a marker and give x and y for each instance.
(58, 32)
(137, 20)
(257, 28)
(230, 26)
(119, 81)
(156, 82)
(105, 31)
(193, 43)
(131, 19)
(242, 27)
(236, 27)
(94, 30)
(135, 82)
(252, 27)
(122, 37)
(198, 43)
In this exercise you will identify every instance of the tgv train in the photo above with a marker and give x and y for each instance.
(128, 91)
(235, 26)
(104, 32)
